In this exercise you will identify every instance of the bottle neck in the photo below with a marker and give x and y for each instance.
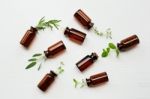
(120, 46)
(33, 29)
(53, 74)
(90, 25)
(89, 82)
(67, 31)
(94, 56)
(46, 53)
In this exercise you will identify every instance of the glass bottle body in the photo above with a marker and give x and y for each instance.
(97, 79)
(83, 19)
(128, 43)
(55, 49)
(47, 81)
(28, 37)
(75, 35)
(86, 61)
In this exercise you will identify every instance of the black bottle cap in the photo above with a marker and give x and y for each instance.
(120, 46)
(94, 56)
(46, 53)
(88, 81)
(53, 74)
(67, 31)
(33, 29)
(90, 25)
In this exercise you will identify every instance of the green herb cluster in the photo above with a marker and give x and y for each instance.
(77, 83)
(42, 24)
(38, 57)
(107, 32)
(60, 69)
(106, 51)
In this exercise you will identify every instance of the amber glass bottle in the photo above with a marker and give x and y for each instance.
(97, 79)
(28, 37)
(128, 43)
(47, 81)
(75, 35)
(83, 19)
(55, 49)
(86, 61)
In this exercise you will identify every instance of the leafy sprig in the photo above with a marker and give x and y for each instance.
(60, 69)
(77, 83)
(107, 50)
(38, 57)
(107, 33)
(42, 24)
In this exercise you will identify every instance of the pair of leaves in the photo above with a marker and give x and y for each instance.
(60, 70)
(33, 60)
(79, 83)
(47, 24)
(107, 33)
(107, 50)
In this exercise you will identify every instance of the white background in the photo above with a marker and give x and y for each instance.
(128, 75)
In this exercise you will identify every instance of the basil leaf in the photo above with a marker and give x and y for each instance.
(37, 54)
(33, 59)
(112, 46)
(31, 65)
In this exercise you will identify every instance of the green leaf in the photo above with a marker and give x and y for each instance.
(33, 59)
(82, 83)
(112, 46)
(37, 54)
(75, 82)
(104, 53)
(60, 70)
(108, 50)
(47, 24)
(31, 65)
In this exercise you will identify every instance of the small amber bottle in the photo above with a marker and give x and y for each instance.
(128, 43)
(28, 37)
(55, 49)
(83, 19)
(47, 81)
(75, 35)
(97, 79)
(86, 61)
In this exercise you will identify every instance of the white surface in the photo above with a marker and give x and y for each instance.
(129, 75)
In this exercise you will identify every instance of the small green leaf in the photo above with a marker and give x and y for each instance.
(61, 71)
(30, 65)
(108, 50)
(37, 54)
(104, 53)
(112, 46)
(75, 82)
(33, 59)
(82, 83)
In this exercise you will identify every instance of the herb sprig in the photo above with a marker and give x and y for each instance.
(107, 33)
(42, 24)
(60, 69)
(38, 57)
(77, 83)
(106, 51)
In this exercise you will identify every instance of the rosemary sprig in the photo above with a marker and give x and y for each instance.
(107, 50)
(60, 69)
(38, 57)
(42, 24)
(77, 83)
(107, 33)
